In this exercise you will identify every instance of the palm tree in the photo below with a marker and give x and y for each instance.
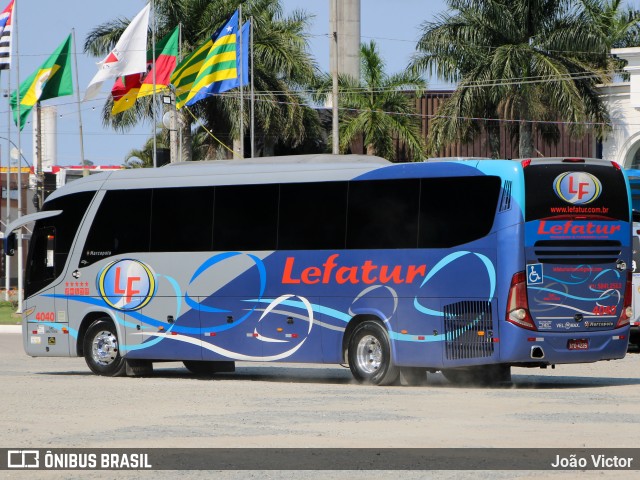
(143, 158)
(615, 26)
(378, 107)
(520, 60)
(282, 65)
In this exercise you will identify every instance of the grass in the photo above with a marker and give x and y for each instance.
(7, 314)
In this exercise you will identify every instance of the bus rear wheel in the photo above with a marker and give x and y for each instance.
(101, 349)
(369, 355)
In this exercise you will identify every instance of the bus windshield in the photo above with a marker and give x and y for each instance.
(52, 240)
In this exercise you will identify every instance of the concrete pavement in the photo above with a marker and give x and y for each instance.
(10, 328)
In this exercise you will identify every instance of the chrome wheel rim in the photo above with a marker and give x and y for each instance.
(104, 349)
(369, 354)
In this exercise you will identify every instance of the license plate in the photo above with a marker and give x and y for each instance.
(578, 344)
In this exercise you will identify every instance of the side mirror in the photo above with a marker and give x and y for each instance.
(10, 244)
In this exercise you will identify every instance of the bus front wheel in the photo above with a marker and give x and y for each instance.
(101, 349)
(369, 355)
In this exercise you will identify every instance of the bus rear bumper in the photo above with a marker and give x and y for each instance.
(552, 348)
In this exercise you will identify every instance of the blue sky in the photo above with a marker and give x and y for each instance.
(44, 24)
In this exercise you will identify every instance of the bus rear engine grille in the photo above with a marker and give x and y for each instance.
(577, 251)
(468, 328)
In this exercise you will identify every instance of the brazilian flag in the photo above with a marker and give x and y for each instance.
(52, 79)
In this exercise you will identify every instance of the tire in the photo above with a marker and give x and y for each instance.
(101, 349)
(209, 368)
(369, 355)
(413, 376)
(484, 375)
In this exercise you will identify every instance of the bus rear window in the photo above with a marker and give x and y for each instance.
(575, 190)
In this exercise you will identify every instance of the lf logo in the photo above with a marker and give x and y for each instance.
(126, 284)
(578, 188)
(23, 459)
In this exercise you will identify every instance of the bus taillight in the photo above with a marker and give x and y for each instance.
(517, 304)
(627, 311)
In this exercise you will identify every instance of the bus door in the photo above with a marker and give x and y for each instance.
(577, 248)
(46, 313)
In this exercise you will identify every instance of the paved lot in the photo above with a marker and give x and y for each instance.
(58, 403)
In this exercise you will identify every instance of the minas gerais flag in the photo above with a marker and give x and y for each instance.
(52, 79)
(127, 57)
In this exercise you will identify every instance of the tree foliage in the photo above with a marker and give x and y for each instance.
(526, 61)
(378, 107)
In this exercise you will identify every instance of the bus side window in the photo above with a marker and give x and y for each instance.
(245, 217)
(312, 216)
(122, 224)
(383, 214)
(454, 211)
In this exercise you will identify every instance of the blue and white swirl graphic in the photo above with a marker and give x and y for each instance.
(448, 260)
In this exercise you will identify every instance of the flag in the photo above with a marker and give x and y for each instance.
(127, 57)
(166, 58)
(220, 71)
(5, 37)
(186, 72)
(52, 79)
(213, 67)
(127, 89)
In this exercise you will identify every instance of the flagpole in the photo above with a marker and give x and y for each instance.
(20, 286)
(175, 103)
(334, 75)
(241, 86)
(253, 97)
(75, 61)
(38, 166)
(153, 69)
(7, 258)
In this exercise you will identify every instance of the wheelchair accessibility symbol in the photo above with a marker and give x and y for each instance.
(534, 274)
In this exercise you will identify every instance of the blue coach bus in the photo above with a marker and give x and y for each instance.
(467, 267)
(634, 184)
